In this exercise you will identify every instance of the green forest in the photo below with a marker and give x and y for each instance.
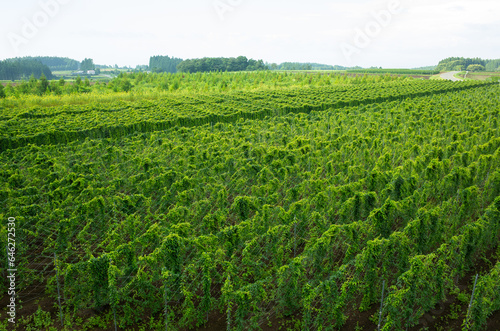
(57, 63)
(209, 64)
(164, 64)
(23, 68)
(460, 63)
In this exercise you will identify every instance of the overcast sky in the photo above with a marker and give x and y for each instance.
(387, 33)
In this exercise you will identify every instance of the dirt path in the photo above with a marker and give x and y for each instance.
(450, 76)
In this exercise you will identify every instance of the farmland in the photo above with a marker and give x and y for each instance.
(483, 76)
(395, 71)
(294, 206)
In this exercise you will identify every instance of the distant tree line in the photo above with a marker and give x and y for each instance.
(87, 64)
(56, 63)
(210, 64)
(299, 66)
(471, 64)
(23, 68)
(458, 63)
(306, 66)
(492, 65)
(164, 64)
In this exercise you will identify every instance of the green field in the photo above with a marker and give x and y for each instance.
(482, 76)
(479, 76)
(68, 76)
(288, 203)
(395, 71)
(481, 73)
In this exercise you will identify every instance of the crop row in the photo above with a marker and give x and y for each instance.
(297, 214)
(53, 125)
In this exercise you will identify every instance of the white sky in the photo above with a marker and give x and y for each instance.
(419, 33)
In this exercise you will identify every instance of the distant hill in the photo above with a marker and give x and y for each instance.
(23, 68)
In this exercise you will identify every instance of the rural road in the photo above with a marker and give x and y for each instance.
(449, 75)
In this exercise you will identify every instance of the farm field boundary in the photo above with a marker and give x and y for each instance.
(304, 217)
(48, 127)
